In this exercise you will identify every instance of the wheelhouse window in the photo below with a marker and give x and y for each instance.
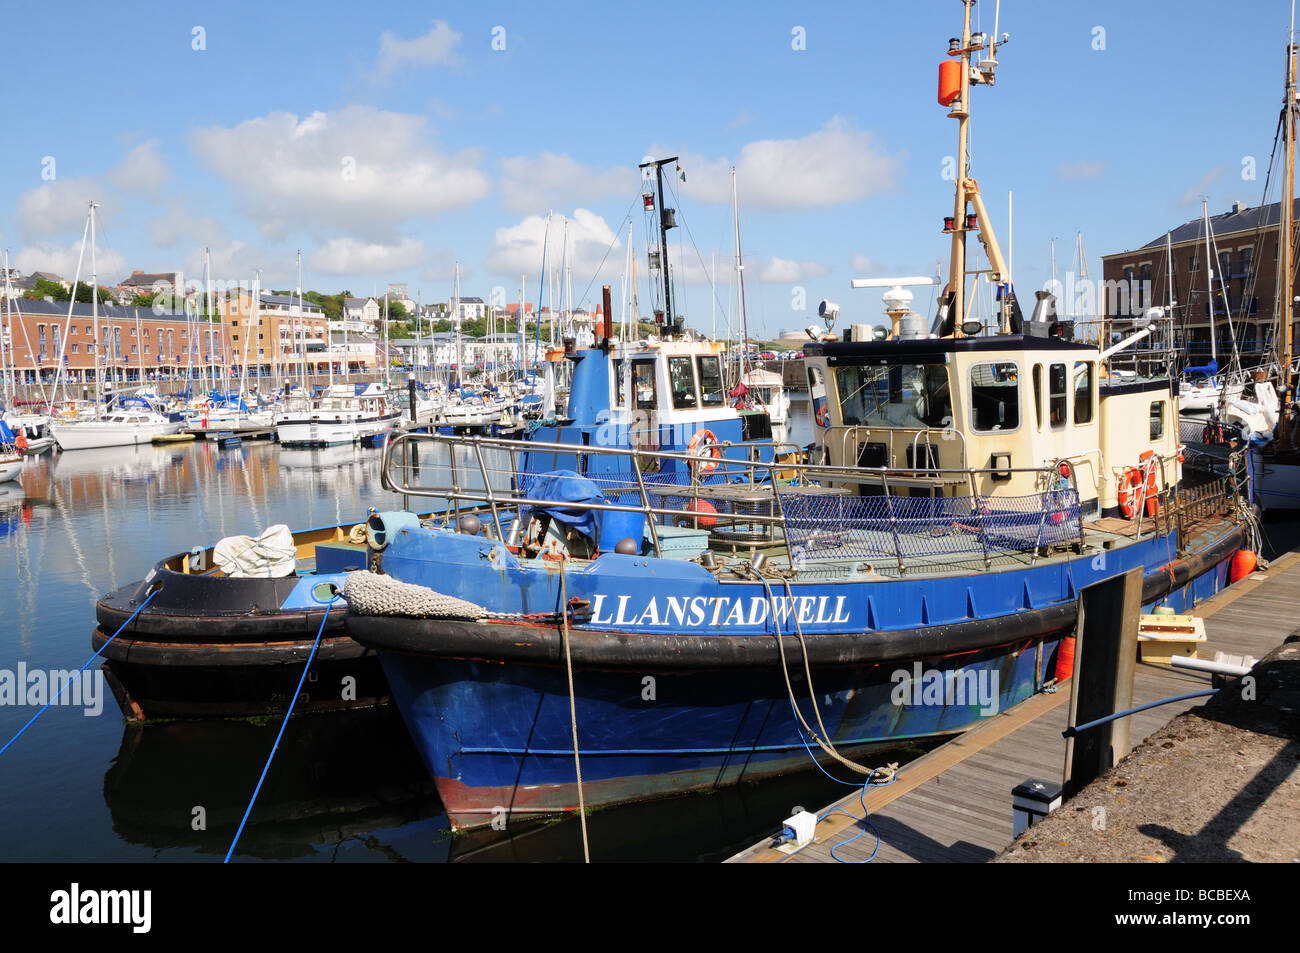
(681, 381)
(995, 396)
(1083, 373)
(895, 395)
(643, 384)
(1056, 394)
(1157, 419)
(710, 370)
(1038, 395)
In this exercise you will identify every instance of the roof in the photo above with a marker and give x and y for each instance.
(47, 275)
(287, 300)
(1245, 220)
(140, 279)
(86, 310)
(356, 302)
(471, 300)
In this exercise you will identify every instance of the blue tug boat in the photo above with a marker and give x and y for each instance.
(728, 612)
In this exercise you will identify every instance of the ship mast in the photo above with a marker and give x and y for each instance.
(955, 80)
(1286, 280)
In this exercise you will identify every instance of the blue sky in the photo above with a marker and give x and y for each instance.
(458, 150)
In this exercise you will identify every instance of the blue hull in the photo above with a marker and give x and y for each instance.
(497, 736)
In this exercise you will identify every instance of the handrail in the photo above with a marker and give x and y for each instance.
(490, 498)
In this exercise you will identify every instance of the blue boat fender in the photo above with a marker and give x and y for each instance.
(382, 528)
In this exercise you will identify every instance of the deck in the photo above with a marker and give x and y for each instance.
(954, 803)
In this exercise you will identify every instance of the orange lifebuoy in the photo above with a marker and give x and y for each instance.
(705, 444)
(1149, 462)
(1130, 488)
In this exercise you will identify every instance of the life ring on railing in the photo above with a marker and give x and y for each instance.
(1150, 462)
(823, 416)
(705, 445)
(1131, 488)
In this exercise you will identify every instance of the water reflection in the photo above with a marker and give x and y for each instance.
(336, 776)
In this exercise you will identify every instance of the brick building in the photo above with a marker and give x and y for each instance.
(1241, 270)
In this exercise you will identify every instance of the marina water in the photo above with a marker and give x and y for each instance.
(82, 784)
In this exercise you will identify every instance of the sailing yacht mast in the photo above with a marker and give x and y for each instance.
(455, 317)
(1209, 286)
(1286, 280)
(94, 302)
(740, 278)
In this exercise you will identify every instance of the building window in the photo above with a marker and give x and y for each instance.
(75, 348)
(1193, 263)
(132, 348)
(146, 348)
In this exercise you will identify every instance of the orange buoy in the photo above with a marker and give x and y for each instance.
(1244, 562)
(949, 81)
(703, 506)
(1065, 658)
(1130, 485)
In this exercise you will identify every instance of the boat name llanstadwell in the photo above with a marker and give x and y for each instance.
(919, 686)
(36, 687)
(74, 906)
(698, 611)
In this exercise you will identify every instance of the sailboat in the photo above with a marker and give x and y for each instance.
(129, 421)
(724, 615)
(1205, 387)
(1275, 450)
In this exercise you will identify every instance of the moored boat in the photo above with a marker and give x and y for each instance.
(724, 615)
(210, 644)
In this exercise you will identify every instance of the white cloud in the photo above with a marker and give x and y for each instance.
(177, 225)
(62, 260)
(56, 207)
(835, 164)
(518, 248)
(142, 172)
(783, 270)
(436, 46)
(234, 262)
(1193, 195)
(1081, 169)
(358, 170)
(348, 256)
(533, 183)
(862, 265)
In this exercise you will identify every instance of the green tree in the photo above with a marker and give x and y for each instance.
(144, 300)
(48, 289)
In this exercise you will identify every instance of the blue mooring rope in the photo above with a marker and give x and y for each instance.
(864, 820)
(287, 715)
(79, 671)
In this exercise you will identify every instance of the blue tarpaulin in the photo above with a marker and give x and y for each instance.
(567, 486)
(6, 435)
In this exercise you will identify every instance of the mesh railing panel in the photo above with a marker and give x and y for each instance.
(878, 527)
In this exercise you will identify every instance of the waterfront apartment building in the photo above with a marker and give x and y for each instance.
(1238, 277)
(133, 344)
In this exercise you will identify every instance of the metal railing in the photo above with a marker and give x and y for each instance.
(809, 509)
